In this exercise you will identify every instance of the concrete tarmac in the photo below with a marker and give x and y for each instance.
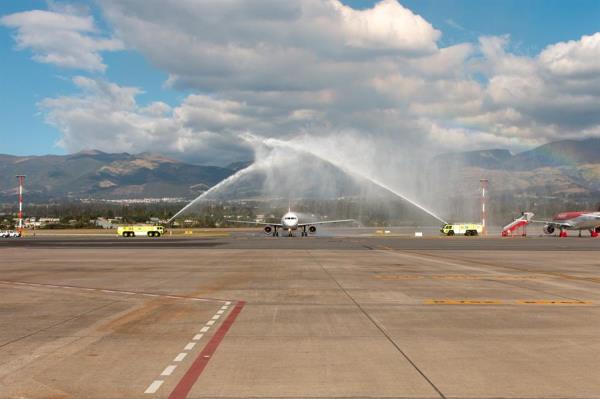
(323, 317)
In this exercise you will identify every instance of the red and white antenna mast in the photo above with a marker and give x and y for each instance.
(21, 181)
(484, 189)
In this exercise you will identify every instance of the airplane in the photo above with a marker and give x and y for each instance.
(580, 220)
(290, 223)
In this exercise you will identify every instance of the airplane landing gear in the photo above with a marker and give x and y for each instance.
(304, 233)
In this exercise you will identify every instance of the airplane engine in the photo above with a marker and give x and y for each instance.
(548, 229)
(268, 230)
(312, 229)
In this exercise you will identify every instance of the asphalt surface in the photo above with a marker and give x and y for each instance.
(258, 241)
(320, 317)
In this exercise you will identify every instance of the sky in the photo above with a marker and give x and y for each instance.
(186, 77)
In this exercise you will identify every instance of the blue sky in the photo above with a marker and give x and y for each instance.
(532, 25)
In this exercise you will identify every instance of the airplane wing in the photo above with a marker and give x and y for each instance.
(552, 223)
(257, 223)
(326, 222)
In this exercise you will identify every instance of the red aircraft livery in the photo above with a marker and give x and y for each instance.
(580, 220)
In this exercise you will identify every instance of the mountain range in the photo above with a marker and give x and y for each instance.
(99, 175)
(568, 167)
(561, 168)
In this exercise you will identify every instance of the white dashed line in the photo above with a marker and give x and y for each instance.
(220, 312)
(210, 322)
(180, 357)
(204, 329)
(152, 388)
(197, 337)
(228, 303)
(216, 317)
(189, 346)
(169, 370)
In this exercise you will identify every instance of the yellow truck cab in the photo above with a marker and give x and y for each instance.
(140, 231)
(467, 229)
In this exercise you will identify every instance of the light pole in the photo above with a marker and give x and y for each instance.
(21, 181)
(484, 186)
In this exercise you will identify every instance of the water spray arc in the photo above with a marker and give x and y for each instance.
(274, 143)
(269, 142)
(223, 183)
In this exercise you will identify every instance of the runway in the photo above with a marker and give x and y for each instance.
(322, 317)
(330, 242)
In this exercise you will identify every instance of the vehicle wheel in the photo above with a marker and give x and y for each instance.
(150, 234)
(451, 233)
(474, 233)
(468, 233)
(157, 234)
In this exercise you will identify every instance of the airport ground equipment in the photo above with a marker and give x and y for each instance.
(519, 223)
(467, 229)
(10, 234)
(141, 230)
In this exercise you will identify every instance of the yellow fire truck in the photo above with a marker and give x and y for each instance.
(467, 229)
(143, 230)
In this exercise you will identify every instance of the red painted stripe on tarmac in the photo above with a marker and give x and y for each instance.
(186, 383)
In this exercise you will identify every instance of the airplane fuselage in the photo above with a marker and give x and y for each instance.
(578, 220)
(289, 221)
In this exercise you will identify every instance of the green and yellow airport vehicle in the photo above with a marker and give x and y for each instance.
(140, 230)
(467, 229)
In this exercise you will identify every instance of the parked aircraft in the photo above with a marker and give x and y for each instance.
(573, 220)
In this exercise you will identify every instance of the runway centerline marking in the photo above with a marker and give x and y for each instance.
(154, 386)
(193, 373)
(180, 357)
(169, 370)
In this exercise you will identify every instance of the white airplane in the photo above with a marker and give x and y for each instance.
(290, 223)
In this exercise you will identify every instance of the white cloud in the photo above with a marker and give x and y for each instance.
(575, 58)
(319, 67)
(61, 38)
